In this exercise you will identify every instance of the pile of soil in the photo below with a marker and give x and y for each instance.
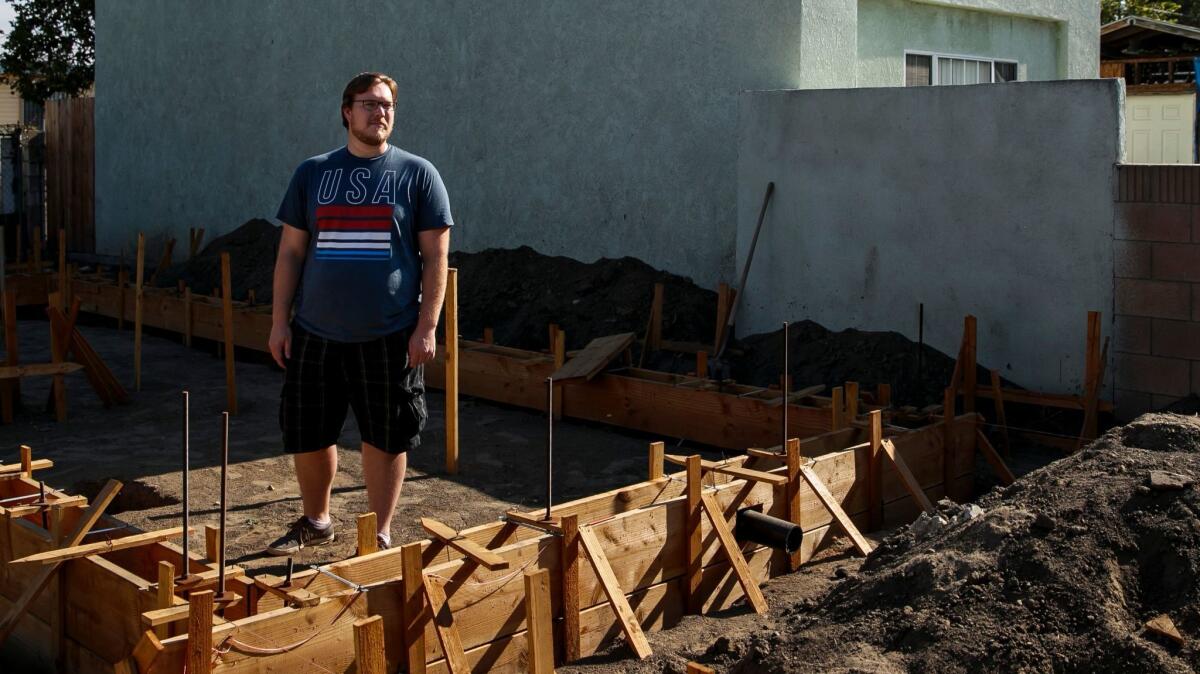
(520, 292)
(252, 249)
(1058, 572)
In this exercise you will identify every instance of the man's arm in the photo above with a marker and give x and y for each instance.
(435, 249)
(293, 247)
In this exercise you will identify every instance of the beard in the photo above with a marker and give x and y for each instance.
(369, 135)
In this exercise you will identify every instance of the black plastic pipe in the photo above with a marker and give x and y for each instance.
(753, 526)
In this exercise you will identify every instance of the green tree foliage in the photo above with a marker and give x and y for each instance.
(52, 47)
(1163, 10)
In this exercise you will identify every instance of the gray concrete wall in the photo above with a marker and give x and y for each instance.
(993, 200)
(582, 129)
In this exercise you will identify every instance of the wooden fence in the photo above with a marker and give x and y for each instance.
(70, 172)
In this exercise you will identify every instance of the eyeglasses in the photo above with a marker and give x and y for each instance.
(373, 106)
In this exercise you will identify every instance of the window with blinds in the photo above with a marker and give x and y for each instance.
(941, 69)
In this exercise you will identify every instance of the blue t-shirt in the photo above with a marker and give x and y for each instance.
(362, 276)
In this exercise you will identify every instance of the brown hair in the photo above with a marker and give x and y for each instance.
(361, 83)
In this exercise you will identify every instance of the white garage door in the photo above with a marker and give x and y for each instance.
(1159, 129)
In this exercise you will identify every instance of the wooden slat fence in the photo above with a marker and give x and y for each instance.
(70, 171)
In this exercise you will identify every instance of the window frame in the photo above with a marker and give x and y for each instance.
(935, 56)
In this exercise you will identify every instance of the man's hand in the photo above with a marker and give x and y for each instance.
(280, 343)
(421, 346)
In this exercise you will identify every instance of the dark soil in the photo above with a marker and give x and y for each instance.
(252, 249)
(1059, 573)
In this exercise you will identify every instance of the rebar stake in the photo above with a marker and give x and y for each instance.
(223, 597)
(549, 443)
(785, 387)
(186, 579)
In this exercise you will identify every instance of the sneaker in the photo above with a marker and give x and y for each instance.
(300, 535)
(381, 543)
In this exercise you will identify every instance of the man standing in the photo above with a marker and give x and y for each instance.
(364, 255)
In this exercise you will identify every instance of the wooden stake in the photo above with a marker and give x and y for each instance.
(58, 355)
(200, 637)
(231, 403)
(137, 312)
(62, 270)
(654, 335)
(716, 516)
(875, 474)
(883, 395)
(794, 508)
(451, 365)
(634, 635)
(489, 336)
(26, 461)
(164, 261)
(367, 543)
(166, 593)
(697, 668)
(12, 389)
(851, 401)
(695, 602)
(947, 441)
(656, 460)
(993, 459)
(540, 634)
(415, 611)
(122, 282)
(443, 623)
(838, 409)
(188, 325)
(1001, 419)
(702, 364)
(212, 547)
(969, 366)
(197, 236)
(1092, 377)
(570, 587)
(723, 304)
(839, 515)
(560, 348)
(369, 646)
(906, 477)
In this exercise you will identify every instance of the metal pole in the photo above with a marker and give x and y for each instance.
(785, 387)
(186, 565)
(224, 509)
(549, 443)
(287, 581)
(42, 500)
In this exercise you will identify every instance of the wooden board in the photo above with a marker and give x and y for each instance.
(594, 357)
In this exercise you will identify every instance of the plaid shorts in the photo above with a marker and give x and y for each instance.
(372, 378)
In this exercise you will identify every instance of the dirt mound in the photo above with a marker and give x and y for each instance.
(252, 249)
(1058, 572)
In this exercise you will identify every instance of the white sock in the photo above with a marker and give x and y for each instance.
(387, 538)
(318, 523)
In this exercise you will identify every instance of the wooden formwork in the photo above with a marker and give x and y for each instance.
(697, 409)
(640, 532)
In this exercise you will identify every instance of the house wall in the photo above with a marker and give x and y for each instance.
(10, 105)
(1157, 270)
(987, 200)
(886, 28)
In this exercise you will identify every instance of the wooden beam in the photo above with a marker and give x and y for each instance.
(1057, 400)
(26, 468)
(200, 634)
(231, 404)
(697, 668)
(948, 400)
(733, 471)
(906, 477)
(26, 461)
(875, 474)
(450, 366)
(443, 622)
(38, 369)
(1091, 403)
(989, 453)
(473, 551)
(838, 420)
(540, 635)
(616, 596)
(165, 593)
(369, 646)
(594, 357)
(78, 551)
(367, 532)
(138, 296)
(26, 510)
(35, 585)
(724, 302)
(693, 561)
(839, 515)
(416, 614)
(58, 355)
(716, 517)
(656, 460)
(851, 400)
(570, 587)
(969, 364)
(794, 507)
(212, 547)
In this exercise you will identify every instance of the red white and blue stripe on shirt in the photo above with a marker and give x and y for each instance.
(354, 232)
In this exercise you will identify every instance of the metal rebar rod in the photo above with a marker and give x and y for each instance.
(287, 580)
(785, 387)
(42, 500)
(185, 561)
(549, 443)
(224, 504)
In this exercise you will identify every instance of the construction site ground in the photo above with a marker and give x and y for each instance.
(501, 467)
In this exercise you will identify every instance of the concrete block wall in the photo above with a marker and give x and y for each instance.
(1156, 269)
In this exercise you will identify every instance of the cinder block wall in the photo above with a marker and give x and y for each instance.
(1157, 287)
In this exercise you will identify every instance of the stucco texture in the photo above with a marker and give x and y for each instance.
(992, 200)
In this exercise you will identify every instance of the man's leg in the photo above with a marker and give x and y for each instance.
(314, 473)
(384, 475)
